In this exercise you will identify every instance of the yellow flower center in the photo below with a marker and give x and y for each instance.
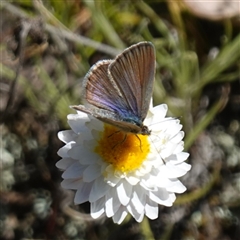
(125, 151)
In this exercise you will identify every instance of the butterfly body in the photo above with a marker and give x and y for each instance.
(118, 92)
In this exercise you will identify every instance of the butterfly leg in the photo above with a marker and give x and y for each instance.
(113, 134)
(139, 141)
(124, 139)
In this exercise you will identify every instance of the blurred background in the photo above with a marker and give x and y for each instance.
(47, 47)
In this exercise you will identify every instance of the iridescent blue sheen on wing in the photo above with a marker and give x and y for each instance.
(119, 91)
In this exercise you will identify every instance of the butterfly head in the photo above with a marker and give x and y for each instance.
(143, 130)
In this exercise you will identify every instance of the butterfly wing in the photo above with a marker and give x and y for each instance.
(133, 72)
(110, 118)
(99, 91)
(104, 100)
(119, 92)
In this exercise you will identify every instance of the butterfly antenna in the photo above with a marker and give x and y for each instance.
(157, 149)
(139, 141)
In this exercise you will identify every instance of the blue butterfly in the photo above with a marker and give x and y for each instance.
(118, 92)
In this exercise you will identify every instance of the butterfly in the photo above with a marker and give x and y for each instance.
(119, 91)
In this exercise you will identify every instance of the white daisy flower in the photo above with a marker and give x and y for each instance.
(121, 173)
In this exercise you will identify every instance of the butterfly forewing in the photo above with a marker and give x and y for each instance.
(98, 90)
(133, 72)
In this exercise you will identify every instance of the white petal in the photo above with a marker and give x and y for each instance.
(159, 112)
(132, 210)
(161, 195)
(95, 124)
(179, 148)
(67, 136)
(112, 181)
(173, 171)
(174, 130)
(163, 181)
(109, 207)
(151, 209)
(151, 104)
(71, 183)
(97, 208)
(167, 202)
(172, 197)
(90, 144)
(110, 177)
(82, 194)
(91, 173)
(148, 183)
(74, 171)
(177, 158)
(184, 166)
(112, 203)
(177, 138)
(132, 179)
(176, 187)
(124, 191)
(83, 154)
(99, 189)
(64, 163)
(77, 122)
(63, 152)
(166, 126)
(145, 168)
(166, 151)
(81, 115)
(120, 215)
(138, 200)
